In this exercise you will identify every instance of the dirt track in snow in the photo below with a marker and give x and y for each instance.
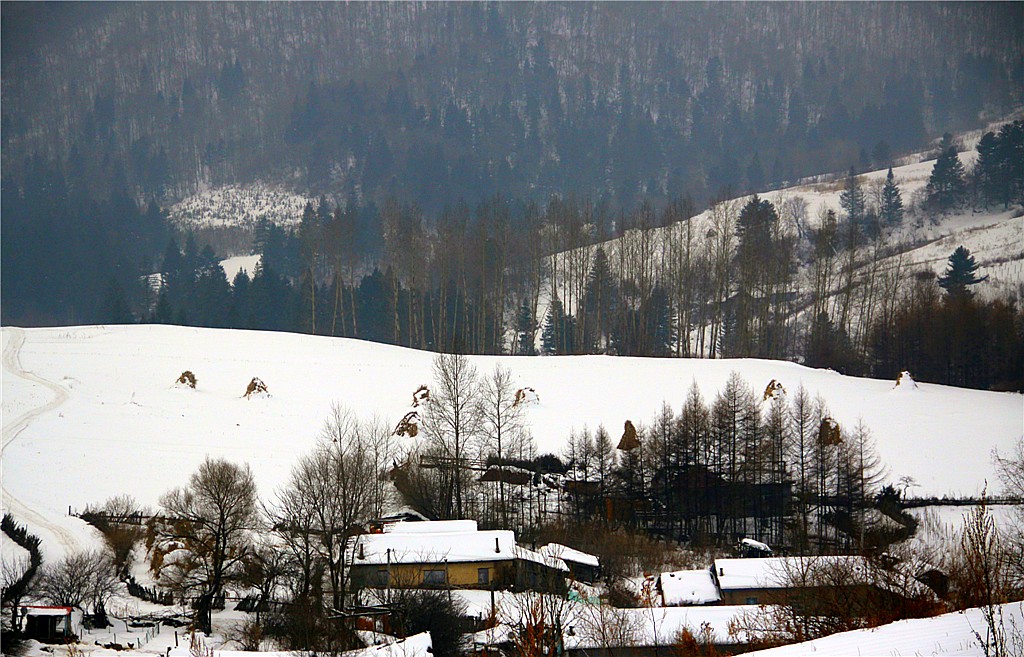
(13, 427)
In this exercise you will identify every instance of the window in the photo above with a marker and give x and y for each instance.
(381, 577)
(433, 577)
(483, 575)
(751, 601)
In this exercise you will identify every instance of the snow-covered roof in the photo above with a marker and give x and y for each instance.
(587, 627)
(757, 545)
(780, 572)
(566, 553)
(45, 610)
(432, 527)
(452, 541)
(417, 645)
(688, 587)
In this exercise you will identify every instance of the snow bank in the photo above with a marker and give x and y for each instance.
(948, 634)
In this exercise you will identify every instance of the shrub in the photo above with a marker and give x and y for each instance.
(187, 378)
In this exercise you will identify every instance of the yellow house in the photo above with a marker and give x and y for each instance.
(451, 554)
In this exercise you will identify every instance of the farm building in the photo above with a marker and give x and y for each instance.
(582, 566)
(48, 624)
(451, 554)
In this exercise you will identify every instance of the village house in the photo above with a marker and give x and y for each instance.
(582, 566)
(785, 580)
(451, 554)
(688, 587)
(48, 624)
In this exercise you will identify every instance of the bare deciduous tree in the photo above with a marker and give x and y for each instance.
(331, 495)
(85, 580)
(501, 423)
(211, 519)
(451, 421)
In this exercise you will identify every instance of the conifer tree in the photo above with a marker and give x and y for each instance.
(525, 331)
(892, 202)
(960, 272)
(852, 198)
(115, 304)
(599, 301)
(987, 168)
(549, 338)
(556, 337)
(947, 187)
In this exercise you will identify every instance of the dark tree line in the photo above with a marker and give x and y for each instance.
(510, 276)
(770, 466)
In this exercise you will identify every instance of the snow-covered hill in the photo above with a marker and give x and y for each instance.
(91, 412)
(994, 236)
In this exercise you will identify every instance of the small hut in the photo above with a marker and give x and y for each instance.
(47, 624)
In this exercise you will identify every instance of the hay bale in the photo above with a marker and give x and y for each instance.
(408, 426)
(526, 395)
(829, 432)
(256, 387)
(629, 440)
(773, 390)
(187, 378)
(905, 381)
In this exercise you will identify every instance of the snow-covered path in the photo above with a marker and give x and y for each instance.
(40, 522)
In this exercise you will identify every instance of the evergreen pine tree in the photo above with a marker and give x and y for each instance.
(829, 346)
(550, 335)
(960, 272)
(525, 332)
(557, 335)
(755, 174)
(1010, 153)
(892, 202)
(987, 168)
(239, 315)
(852, 199)
(947, 187)
(115, 304)
(599, 302)
(164, 313)
(660, 324)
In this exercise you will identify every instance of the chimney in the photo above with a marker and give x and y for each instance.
(496, 548)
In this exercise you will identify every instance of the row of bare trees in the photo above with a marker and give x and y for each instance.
(215, 533)
(772, 467)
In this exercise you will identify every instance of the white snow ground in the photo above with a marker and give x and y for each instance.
(91, 412)
(245, 263)
(948, 634)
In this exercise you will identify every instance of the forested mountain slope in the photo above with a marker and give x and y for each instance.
(434, 102)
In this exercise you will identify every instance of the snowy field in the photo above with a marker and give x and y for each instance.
(92, 412)
(246, 263)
